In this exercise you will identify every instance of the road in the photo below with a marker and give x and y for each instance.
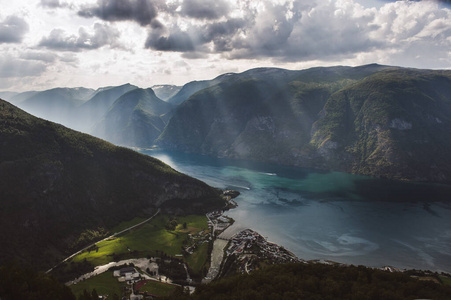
(113, 235)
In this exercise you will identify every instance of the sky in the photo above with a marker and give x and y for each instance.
(95, 43)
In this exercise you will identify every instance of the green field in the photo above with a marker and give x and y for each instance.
(147, 240)
(125, 225)
(197, 261)
(446, 280)
(158, 288)
(104, 284)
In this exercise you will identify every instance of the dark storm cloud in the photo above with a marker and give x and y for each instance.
(305, 31)
(103, 35)
(13, 29)
(141, 11)
(205, 9)
(178, 41)
(222, 33)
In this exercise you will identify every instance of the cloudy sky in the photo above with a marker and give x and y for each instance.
(53, 43)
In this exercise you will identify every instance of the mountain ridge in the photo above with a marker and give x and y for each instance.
(308, 122)
(135, 118)
(297, 117)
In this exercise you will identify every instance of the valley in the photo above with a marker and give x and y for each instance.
(338, 165)
(376, 120)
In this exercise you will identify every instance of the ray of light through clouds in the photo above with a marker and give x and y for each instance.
(50, 43)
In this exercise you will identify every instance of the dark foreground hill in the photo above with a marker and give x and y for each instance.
(373, 120)
(320, 282)
(56, 183)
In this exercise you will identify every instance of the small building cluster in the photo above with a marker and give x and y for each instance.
(128, 275)
(249, 247)
(217, 222)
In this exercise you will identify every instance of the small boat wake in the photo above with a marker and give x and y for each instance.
(240, 187)
(269, 174)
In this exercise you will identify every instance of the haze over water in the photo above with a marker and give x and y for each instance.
(332, 215)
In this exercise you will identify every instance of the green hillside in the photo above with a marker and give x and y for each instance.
(56, 183)
(373, 120)
(394, 124)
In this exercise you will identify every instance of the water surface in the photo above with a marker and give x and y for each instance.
(332, 215)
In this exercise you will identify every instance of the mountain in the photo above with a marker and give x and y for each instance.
(277, 76)
(374, 120)
(165, 91)
(135, 119)
(90, 112)
(193, 87)
(394, 124)
(223, 119)
(56, 183)
(16, 99)
(8, 95)
(56, 104)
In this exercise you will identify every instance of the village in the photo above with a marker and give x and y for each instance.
(248, 249)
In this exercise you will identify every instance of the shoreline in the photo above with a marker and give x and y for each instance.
(238, 228)
(226, 231)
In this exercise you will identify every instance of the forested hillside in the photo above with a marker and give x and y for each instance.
(56, 183)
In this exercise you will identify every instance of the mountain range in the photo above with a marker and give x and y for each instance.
(56, 183)
(375, 120)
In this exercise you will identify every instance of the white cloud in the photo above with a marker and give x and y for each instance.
(101, 35)
(47, 57)
(60, 40)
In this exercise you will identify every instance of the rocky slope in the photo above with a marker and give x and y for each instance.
(56, 183)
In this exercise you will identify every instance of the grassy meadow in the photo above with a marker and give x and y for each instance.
(151, 239)
(104, 284)
(156, 288)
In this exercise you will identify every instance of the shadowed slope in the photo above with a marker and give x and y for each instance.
(56, 183)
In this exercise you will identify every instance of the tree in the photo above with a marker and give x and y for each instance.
(115, 297)
(94, 295)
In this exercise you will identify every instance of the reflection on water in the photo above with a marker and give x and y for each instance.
(333, 215)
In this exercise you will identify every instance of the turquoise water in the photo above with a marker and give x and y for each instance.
(332, 215)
